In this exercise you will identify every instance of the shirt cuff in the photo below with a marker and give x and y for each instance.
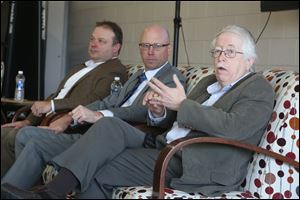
(106, 113)
(156, 120)
(52, 106)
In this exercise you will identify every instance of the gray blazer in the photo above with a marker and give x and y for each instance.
(136, 112)
(241, 114)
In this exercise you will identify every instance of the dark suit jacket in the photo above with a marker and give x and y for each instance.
(241, 114)
(92, 86)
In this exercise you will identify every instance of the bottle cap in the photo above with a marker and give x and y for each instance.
(117, 78)
(20, 72)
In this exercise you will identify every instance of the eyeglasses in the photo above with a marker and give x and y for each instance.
(156, 46)
(229, 53)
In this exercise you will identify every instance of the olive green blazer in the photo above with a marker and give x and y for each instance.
(92, 86)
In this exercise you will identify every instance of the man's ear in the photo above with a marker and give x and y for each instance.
(170, 48)
(250, 62)
(116, 48)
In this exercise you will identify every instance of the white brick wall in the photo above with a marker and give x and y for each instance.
(278, 46)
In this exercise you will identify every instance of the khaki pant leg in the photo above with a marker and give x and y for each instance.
(8, 136)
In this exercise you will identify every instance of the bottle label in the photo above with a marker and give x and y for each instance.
(20, 85)
(116, 87)
(115, 91)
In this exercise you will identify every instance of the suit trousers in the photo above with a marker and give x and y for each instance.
(42, 145)
(8, 136)
(132, 167)
(111, 154)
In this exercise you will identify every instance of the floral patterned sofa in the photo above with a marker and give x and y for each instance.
(273, 172)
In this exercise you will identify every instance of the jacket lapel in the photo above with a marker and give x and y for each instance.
(162, 72)
(92, 72)
(129, 85)
(76, 69)
(231, 91)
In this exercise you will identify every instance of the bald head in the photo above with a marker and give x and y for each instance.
(154, 46)
(158, 34)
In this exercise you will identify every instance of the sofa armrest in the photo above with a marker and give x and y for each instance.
(167, 153)
(53, 116)
(20, 111)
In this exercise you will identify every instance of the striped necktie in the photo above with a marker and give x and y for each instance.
(141, 78)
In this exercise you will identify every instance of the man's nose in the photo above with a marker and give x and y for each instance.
(150, 50)
(222, 55)
(93, 44)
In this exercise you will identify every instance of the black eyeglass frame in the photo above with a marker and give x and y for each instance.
(154, 45)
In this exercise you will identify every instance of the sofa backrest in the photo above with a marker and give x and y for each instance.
(268, 178)
(193, 73)
(132, 68)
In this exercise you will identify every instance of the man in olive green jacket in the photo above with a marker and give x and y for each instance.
(84, 84)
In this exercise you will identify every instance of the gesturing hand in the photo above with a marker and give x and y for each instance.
(166, 96)
(156, 108)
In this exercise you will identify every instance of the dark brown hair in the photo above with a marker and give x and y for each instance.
(115, 28)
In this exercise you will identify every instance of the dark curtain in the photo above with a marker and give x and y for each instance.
(24, 48)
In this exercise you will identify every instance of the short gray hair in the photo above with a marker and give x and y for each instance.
(249, 47)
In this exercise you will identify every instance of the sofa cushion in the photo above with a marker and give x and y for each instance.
(145, 192)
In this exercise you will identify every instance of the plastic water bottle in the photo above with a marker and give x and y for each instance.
(2, 73)
(116, 86)
(20, 86)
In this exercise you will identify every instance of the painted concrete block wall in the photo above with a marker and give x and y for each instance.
(201, 20)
